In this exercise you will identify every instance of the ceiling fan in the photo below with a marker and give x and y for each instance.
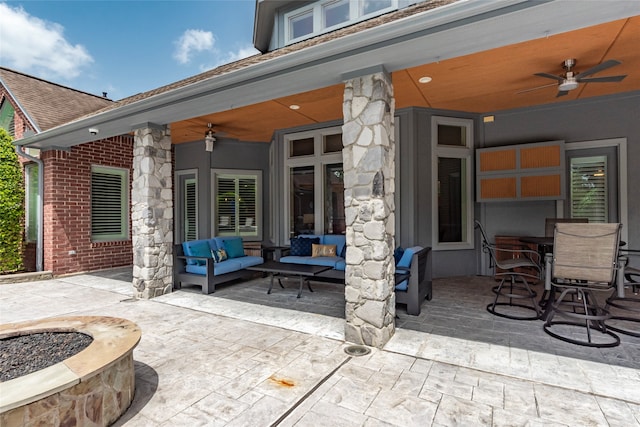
(571, 79)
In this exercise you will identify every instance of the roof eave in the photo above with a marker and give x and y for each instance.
(155, 109)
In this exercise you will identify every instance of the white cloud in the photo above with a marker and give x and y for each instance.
(243, 52)
(32, 45)
(193, 41)
(221, 59)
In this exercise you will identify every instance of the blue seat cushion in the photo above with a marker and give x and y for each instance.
(248, 261)
(198, 248)
(223, 267)
(328, 261)
(302, 246)
(341, 265)
(403, 286)
(234, 247)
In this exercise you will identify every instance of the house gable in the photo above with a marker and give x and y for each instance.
(45, 104)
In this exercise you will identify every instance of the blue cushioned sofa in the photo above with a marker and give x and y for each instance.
(413, 270)
(336, 262)
(194, 264)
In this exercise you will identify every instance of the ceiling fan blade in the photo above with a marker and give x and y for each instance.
(601, 79)
(535, 88)
(550, 76)
(597, 68)
(562, 93)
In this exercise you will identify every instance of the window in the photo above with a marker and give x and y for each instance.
(7, 117)
(600, 185)
(588, 187)
(315, 190)
(301, 24)
(451, 179)
(327, 15)
(31, 202)
(371, 6)
(186, 206)
(335, 13)
(109, 203)
(190, 209)
(237, 205)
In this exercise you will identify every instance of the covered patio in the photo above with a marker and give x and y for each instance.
(457, 311)
(384, 89)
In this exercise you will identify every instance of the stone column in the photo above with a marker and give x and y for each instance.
(152, 212)
(369, 180)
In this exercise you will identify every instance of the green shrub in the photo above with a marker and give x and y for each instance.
(11, 206)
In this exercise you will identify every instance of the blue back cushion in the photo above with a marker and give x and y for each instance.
(335, 239)
(397, 254)
(302, 246)
(405, 261)
(234, 247)
(197, 248)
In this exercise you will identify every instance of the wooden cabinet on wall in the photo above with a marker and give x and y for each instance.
(521, 172)
(514, 243)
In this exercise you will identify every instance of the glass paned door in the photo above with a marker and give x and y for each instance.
(334, 220)
(451, 199)
(302, 218)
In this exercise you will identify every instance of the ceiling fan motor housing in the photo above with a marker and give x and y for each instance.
(569, 82)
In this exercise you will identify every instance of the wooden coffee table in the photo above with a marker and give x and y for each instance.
(302, 271)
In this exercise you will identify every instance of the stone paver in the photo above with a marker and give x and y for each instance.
(216, 362)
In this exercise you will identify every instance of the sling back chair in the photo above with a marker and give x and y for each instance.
(584, 261)
(514, 297)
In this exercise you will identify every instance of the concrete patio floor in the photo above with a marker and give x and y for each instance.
(218, 361)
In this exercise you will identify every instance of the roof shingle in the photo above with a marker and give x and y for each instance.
(49, 104)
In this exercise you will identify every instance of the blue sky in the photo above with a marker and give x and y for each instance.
(123, 47)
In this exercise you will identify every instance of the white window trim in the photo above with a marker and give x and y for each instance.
(355, 15)
(318, 160)
(452, 152)
(124, 210)
(621, 145)
(239, 173)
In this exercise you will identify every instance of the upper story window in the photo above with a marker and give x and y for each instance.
(327, 15)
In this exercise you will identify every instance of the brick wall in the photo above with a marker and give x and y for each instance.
(67, 207)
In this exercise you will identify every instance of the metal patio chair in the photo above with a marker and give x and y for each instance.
(514, 297)
(584, 262)
(625, 318)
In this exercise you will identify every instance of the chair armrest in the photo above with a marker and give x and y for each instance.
(548, 260)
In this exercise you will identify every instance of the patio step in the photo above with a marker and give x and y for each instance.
(25, 277)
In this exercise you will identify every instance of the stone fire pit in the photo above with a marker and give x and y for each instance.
(93, 387)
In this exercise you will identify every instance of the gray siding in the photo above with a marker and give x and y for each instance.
(227, 154)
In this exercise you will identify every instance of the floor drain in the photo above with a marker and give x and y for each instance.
(129, 300)
(357, 350)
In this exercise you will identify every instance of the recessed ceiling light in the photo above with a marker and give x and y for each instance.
(425, 79)
(294, 107)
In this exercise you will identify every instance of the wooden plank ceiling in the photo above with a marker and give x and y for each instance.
(482, 82)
